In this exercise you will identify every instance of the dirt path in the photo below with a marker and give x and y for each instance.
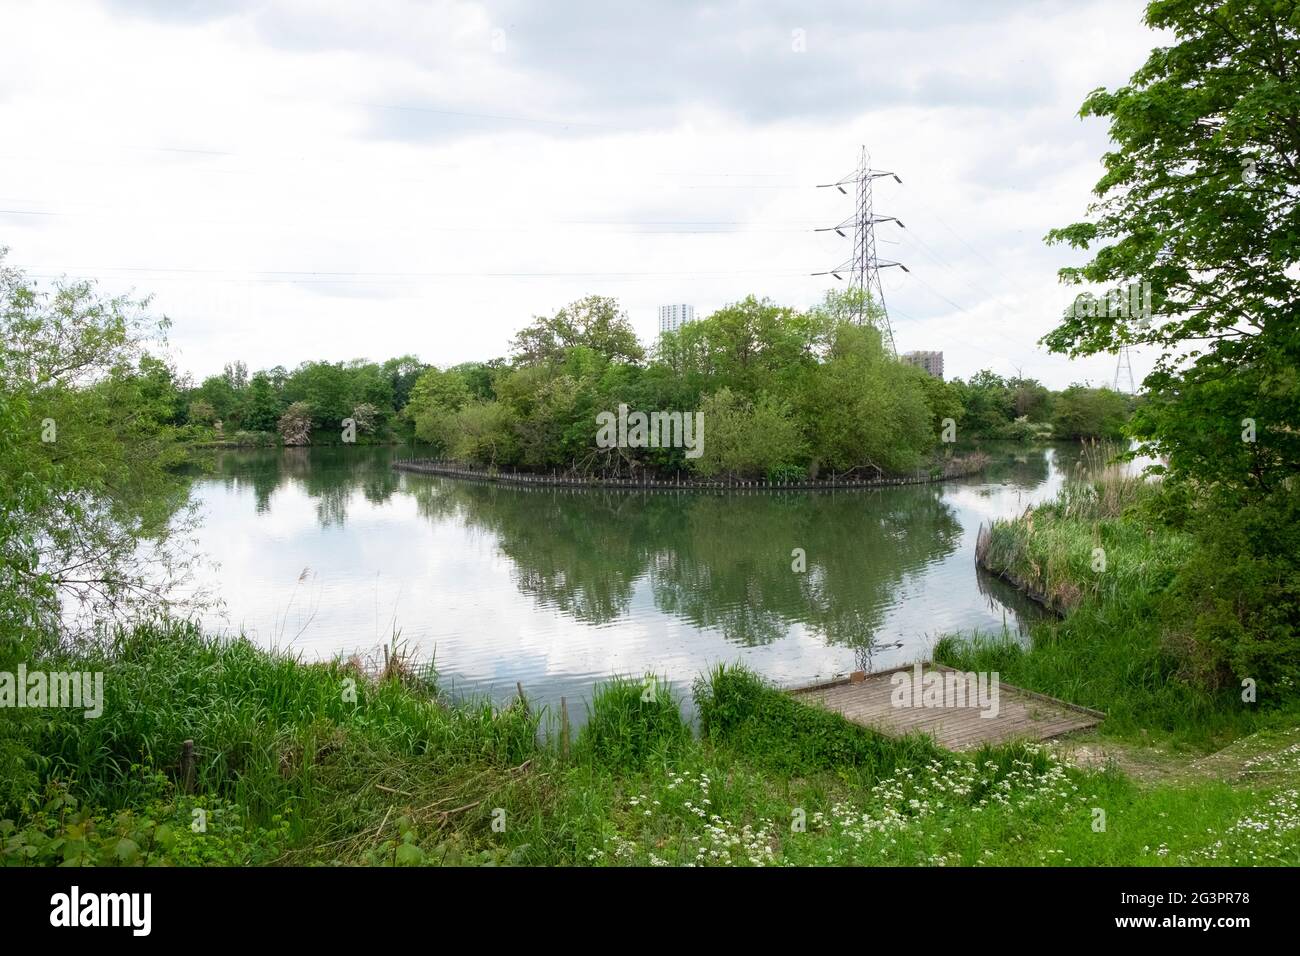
(1263, 758)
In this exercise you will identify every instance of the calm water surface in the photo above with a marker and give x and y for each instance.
(330, 551)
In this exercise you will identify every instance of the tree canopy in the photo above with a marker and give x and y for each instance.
(783, 392)
(89, 499)
(1199, 199)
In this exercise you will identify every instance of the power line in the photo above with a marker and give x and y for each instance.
(163, 273)
(713, 225)
(648, 229)
(99, 148)
(934, 257)
(966, 342)
(939, 295)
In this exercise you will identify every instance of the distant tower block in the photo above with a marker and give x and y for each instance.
(931, 362)
(673, 317)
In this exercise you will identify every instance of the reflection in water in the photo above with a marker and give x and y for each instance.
(714, 560)
(329, 550)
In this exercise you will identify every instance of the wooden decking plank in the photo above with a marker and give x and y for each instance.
(1022, 714)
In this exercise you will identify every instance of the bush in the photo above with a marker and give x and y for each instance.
(1023, 430)
(65, 833)
(746, 439)
(1233, 611)
(247, 439)
(295, 424)
(787, 473)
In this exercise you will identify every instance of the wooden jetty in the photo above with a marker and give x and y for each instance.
(868, 699)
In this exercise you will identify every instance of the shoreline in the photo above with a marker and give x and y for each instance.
(969, 465)
(1008, 576)
(339, 765)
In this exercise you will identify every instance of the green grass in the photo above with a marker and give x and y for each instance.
(632, 723)
(291, 770)
(774, 731)
(1087, 546)
(271, 734)
(1113, 661)
(1111, 650)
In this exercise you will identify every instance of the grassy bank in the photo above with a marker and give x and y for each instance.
(290, 769)
(1100, 556)
(1087, 546)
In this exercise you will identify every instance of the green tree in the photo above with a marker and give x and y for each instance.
(323, 387)
(863, 411)
(264, 404)
(369, 384)
(201, 412)
(596, 322)
(485, 434)
(436, 397)
(1082, 412)
(543, 403)
(744, 439)
(942, 398)
(160, 387)
(91, 526)
(236, 375)
(987, 402)
(850, 305)
(751, 346)
(217, 393)
(1199, 199)
(402, 373)
(478, 377)
(1030, 399)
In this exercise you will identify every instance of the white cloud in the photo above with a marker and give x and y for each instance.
(299, 181)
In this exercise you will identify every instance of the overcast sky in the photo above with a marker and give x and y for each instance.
(333, 180)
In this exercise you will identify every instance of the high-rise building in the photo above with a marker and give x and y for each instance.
(673, 317)
(931, 362)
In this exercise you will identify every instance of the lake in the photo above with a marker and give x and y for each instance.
(329, 551)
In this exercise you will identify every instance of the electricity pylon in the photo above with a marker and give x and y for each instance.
(1124, 366)
(864, 266)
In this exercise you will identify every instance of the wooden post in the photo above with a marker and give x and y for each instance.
(519, 686)
(187, 766)
(564, 728)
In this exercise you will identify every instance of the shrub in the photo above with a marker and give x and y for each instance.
(295, 424)
(1233, 610)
